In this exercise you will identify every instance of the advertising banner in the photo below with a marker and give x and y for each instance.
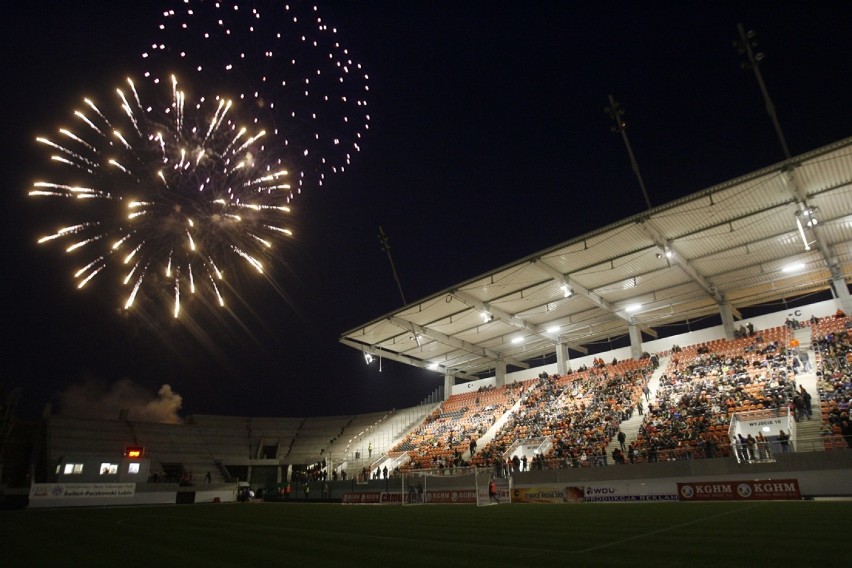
(547, 494)
(625, 492)
(462, 496)
(749, 490)
(617, 494)
(373, 497)
(81, 490)
(394, 498)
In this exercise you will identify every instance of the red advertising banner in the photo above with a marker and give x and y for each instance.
(751, 490)
(463, 496)
(391, 498)
(361, 498)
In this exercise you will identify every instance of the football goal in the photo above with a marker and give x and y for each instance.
(457, 485)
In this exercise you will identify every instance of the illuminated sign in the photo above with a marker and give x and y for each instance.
(133, 451)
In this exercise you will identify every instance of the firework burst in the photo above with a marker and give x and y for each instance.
(286, 60)
(169, 193)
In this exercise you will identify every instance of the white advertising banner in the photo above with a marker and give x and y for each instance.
(81, 490)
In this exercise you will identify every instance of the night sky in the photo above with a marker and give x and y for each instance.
(488, 142)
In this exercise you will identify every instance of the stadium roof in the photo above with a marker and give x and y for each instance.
(778, 232)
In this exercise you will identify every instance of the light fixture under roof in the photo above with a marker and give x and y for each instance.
(553, 329)
(486, 316)
(632, 308)
(567, 291)
(806, 217)
(517, 340)
(793, 267)
(432, 366)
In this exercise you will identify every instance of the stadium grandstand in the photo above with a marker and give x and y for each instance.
(737, 365)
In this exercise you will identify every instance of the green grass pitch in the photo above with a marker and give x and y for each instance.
(801, 533)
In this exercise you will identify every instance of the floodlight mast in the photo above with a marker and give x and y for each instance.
(745, 46)
(616, 113)
(385, 243)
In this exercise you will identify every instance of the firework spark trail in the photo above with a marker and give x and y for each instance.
(186, 189)
(286, 61)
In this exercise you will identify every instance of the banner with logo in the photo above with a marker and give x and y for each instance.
(81, 490)
(749, 490)
(539, 494)
(372, 497)
(617, 494)
(451, 496)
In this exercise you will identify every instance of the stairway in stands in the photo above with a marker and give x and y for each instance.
(631, 426)
(808, 437)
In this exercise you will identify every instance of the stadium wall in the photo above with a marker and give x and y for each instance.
(43, 495)
(814, 475)
(820, 474)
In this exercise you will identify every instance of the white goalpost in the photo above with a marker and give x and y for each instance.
(492, 489)
(457, 485)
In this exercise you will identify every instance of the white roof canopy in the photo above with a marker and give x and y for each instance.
(748, 241)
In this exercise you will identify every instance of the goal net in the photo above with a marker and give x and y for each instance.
(492, 489)
(458, 485)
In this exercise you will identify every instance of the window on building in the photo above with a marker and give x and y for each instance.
(109, 468)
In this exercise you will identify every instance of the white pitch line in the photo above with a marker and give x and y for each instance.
(666, 529)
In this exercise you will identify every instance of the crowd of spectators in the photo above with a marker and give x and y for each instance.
(444, 436)
(578, 413)
(833, 344)
(704, 385)
(573, 418)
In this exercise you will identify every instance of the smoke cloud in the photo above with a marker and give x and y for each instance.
(94, 399)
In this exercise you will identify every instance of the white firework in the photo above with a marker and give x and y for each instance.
(169, 193)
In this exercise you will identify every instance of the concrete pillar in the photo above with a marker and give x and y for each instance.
(841, 292)
(449, 381)
(563, 360)
(635, 340)
(500, 373)
(727, 319)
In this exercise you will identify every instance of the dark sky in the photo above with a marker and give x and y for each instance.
(488, 142)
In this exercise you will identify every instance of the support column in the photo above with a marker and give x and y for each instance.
(500, 373)
(635, 340)
(449, 381)
(727, 319)
(841, 292)
(563, 360)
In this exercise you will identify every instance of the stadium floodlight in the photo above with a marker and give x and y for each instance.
(810, 220)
